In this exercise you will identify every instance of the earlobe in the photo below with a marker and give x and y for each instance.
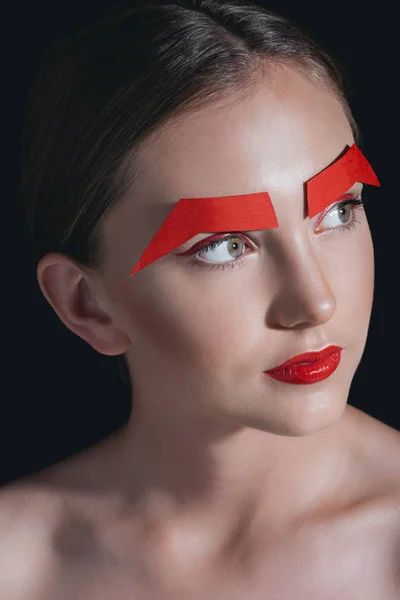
(72, 298)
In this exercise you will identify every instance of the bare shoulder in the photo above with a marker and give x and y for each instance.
(378, 450)
(28, 518)
(385, 447)
(377, 447)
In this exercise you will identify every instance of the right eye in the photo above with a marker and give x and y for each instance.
(223, 248)
(227, 247)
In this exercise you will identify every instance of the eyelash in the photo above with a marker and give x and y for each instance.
(357, 204)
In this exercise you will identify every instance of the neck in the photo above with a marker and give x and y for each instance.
(192, 466)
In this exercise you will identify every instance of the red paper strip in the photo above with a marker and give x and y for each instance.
(191, 216)
(252, 212)
(338, 178)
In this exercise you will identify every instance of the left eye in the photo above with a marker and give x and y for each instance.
(342, 213)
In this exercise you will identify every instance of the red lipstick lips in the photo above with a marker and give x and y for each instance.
(319, 366)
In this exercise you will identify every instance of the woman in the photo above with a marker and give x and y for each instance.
(163, 147)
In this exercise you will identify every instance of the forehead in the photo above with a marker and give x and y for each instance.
(275, 138)
(280, 135)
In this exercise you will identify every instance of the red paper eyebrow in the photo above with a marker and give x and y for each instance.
(192, 216)
(335, 180)
(252, 212)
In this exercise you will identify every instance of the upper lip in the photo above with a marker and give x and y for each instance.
(312, 356)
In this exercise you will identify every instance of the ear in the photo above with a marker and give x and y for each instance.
(75, 297)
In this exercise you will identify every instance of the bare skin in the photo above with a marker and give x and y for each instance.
(67, 534)
(224, 484)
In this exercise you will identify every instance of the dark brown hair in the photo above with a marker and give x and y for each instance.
(99, 92)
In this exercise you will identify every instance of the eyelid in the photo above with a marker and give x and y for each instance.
(213, 237)
(349, 196)
(198, 246)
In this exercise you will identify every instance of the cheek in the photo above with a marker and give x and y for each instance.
(212, 321)
(366, 276)
(179, 321)
(354, 277)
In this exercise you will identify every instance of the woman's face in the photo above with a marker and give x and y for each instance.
(200, 338)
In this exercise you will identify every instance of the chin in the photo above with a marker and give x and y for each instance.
(297, 417)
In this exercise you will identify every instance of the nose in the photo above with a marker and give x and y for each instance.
(304, 297)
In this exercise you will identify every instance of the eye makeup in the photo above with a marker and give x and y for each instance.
(356, 200)
(255, 211)
(334, 180)
(210, 244)
(191, 216)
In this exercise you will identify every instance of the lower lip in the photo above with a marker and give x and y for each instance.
(309, 373)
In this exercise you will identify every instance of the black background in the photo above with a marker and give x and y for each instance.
(58, 394)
